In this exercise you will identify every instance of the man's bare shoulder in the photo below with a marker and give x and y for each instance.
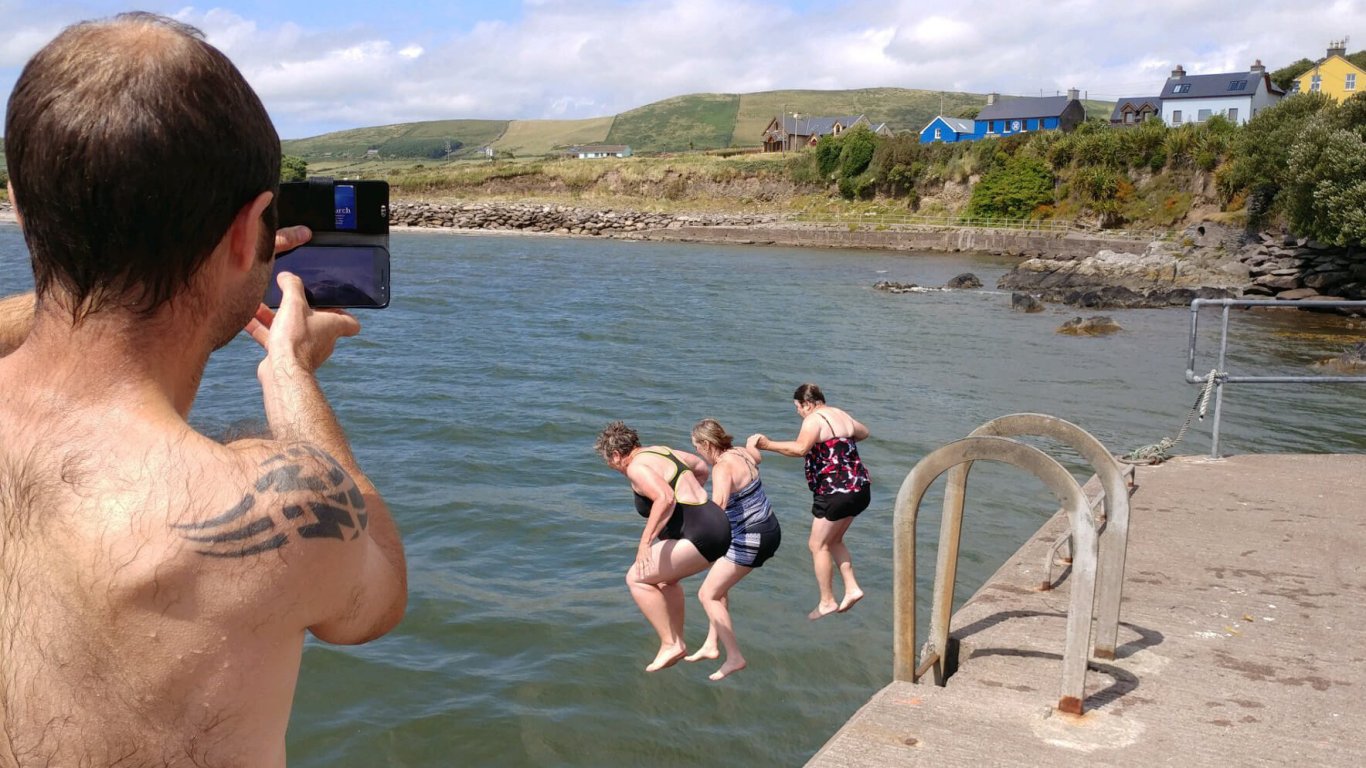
(273, 497)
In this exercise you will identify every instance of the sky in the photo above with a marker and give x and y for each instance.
(325, 66)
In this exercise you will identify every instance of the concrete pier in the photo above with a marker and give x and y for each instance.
(1242, 637)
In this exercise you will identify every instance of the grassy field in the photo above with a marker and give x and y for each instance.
(525, 138)
(902, 109)
(432, 139)
(696, 121)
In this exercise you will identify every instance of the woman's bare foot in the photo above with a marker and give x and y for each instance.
(705, 652)
(823, 610)
(733, 664)
(849, 599)
(668, 656)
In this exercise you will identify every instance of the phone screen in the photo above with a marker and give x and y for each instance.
(336, 275)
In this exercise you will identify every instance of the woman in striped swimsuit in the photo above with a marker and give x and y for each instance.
(840, 486)
(754, 535)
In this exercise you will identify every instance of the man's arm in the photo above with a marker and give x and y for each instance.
(16, 319)
(298, 340)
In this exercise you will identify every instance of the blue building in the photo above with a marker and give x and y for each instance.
(948, 130)
(1006, 117)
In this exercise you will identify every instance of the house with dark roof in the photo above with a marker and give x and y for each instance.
(796, 131)
(948, 130)
(1333, 75)
(1237, 96)
(1136, 109)
(1006, 117)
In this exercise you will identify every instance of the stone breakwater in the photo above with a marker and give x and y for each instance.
(1206, 261)
(557, 219)
(1298, 269)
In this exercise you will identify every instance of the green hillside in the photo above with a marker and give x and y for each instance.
(901, 108)
(435, 140)
(539, 137)
(695, 121)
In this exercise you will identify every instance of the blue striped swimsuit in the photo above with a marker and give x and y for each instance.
(754, 531)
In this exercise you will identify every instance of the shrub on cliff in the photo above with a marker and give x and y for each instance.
(1261, 151)
(1012, 191)
(856, 152)
(1324, 192)
(293, 168)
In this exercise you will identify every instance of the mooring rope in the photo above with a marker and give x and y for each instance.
(1161, 450)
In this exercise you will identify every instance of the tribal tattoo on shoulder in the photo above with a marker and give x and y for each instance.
(327, 505)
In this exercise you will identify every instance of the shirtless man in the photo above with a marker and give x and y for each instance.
(155, 585)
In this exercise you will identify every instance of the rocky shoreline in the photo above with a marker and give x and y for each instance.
(1206, 260)
(557, 219)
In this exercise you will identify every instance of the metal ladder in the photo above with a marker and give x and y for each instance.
(1099, 545)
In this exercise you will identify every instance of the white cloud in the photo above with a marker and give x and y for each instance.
(584, 58)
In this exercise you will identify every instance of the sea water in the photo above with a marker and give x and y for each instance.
(473, 403)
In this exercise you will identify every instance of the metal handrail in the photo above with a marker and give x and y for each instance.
(1114, 536)
(1222, 377)
(1084, 566)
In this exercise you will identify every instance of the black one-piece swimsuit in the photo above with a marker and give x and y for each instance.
(705, 524)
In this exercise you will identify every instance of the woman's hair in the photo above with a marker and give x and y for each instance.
(616, 439)
(710, 432)
(809, 393)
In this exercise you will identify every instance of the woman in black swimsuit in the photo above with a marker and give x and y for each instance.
(840, 486)
(684, 531)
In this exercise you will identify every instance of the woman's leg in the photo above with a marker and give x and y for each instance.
(713, 595)
(840, 554)
(709, 649)
(822, 533)
(660, 598)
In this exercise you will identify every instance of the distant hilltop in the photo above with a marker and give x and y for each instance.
(698, 121)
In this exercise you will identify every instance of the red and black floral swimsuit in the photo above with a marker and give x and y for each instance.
(834, 466)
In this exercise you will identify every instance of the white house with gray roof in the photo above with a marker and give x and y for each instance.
(1237, 96)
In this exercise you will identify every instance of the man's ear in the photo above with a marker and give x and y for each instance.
(14, 204)
(245, 235)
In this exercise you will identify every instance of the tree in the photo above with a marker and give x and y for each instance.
(293, 168)
(1324, 196)
(857, 152)
(1261, 151)
(1286, 75)
(1012, 191)
(827, 155)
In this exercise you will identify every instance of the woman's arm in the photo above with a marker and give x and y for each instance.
(721, 484)
(860, 431)
(696, 463)
(811, 430)
(652, 486)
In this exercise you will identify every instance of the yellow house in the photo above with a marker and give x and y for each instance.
(1333, 75)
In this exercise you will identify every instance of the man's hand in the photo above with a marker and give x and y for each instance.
(306, 337)
(289, 238)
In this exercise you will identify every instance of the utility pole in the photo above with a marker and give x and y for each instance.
(782, 126)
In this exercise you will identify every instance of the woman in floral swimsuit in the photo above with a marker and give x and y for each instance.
(840, 484)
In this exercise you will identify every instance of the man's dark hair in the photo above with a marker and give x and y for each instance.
(132, 144)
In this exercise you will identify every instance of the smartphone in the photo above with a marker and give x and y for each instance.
(346, 263)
